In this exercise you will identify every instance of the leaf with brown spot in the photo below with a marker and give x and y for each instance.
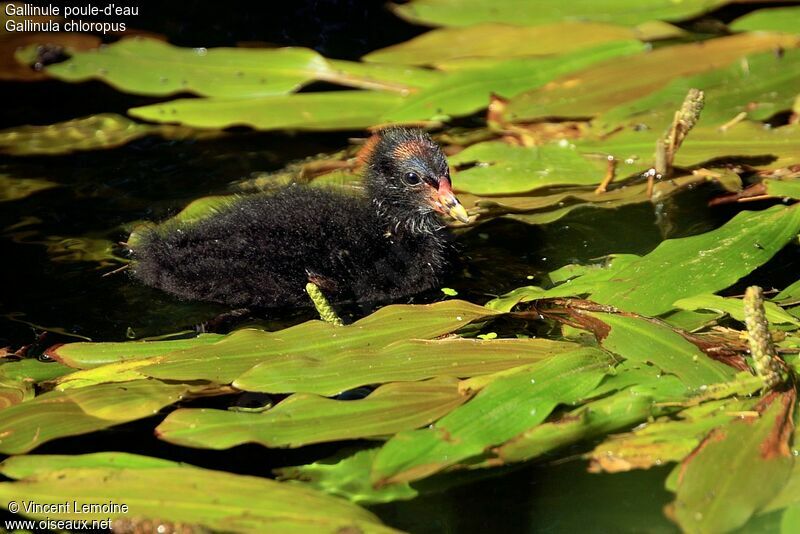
(738, 469)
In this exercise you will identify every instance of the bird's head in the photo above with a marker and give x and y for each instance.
(408, 179)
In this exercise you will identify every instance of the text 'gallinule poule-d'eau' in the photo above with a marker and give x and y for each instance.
(259, 251)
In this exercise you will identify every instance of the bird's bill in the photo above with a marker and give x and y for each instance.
(444, 201)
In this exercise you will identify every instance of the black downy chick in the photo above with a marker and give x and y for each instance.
(261, 250)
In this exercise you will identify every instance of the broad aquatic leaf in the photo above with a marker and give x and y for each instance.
(502, 169)
(16, 66)
(667, 439)
(152, 67)
(347, 477)
(783, 188)
(699, 264)
(336, 110)
(748, 141)
(466, 91)
(106, 130)
(596, 89)
(777, 19)
(644, 341)
(32, 370)
(504, 41)
(405, 360)
(89, 355)
(18, 188)
(758, 86)
(735, 308)
(678, 268)
(302, 419)
(629, 12)
(737, 469)
(506, 407)
(637, 392)
(56, 414)
(179, 493)
(225, 360)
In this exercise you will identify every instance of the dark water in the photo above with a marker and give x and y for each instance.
(102, 193)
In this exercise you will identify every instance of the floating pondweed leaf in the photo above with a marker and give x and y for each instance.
(467, 90)
(347, 477)
(152, 67)
(747, 142)
(90, 355)
(776, 19)
(106, 130)
(637, 392)
(17, 188)
(735, 308)
(337, 110)
(669, 439)
(507, 406)
(737, 469)
(502, 169)
(644, 341)
(177, 492)
(22, 66)
(57, 414)
(503, 41)
(302, 419)
(226, 360)
(783, 188)
(757, 87)
(402, 360)
(627, 12)
(596, 89)
(679, 268)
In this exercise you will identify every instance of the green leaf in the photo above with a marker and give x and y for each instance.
(703, 263)
(179, 493)
(632, 403)
(468, 90)
(18, 188)
(32, 466)
(330, 373)
(105, 130)
(628, 12)
(89, 355)
(747, 141)
(225, 360)
(644, 341)
(596, 89)
(667, 439)
(777, 19)
(759, 86)
(337, 110)
(347, 477)
(735, 308)
(783, 188)
(153, 67)
(737, 469)
(504, 41)
(503, 169)
(302, 419)
(678, 268)
(506, 407)
(56, 414)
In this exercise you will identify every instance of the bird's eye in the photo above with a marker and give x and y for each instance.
(411, 178)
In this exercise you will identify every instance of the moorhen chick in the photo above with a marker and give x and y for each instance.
(261, 250)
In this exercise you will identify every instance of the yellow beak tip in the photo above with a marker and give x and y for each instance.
(459, 213)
